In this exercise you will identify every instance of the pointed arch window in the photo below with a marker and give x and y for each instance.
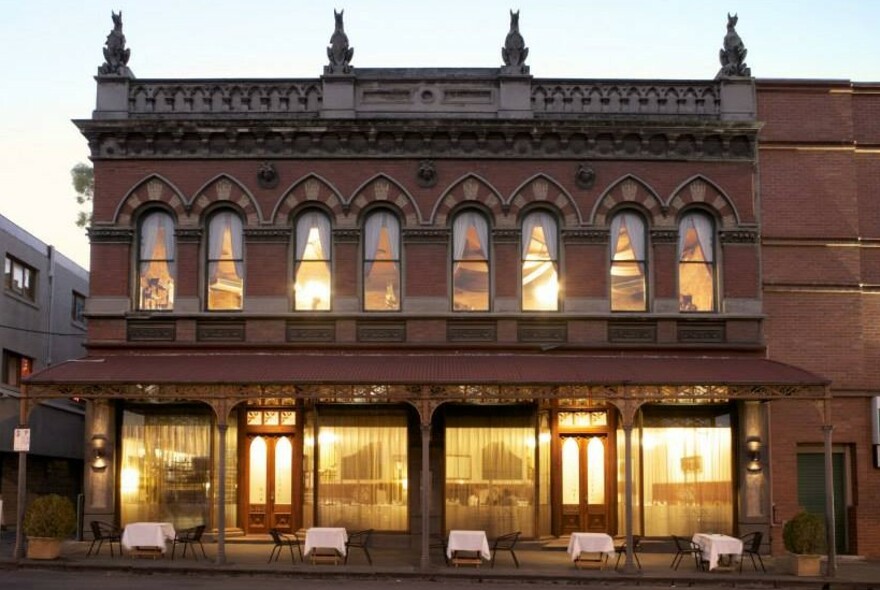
(225, 262)
(156, 262)
(382, 262)
(312, 286)
(697, 279)
(628, 269)
(540, 263)
(470, 262)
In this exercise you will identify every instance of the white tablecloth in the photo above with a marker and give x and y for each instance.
(147, 534)
(468, 541)
(714, 545)
(590, 543)
(326, 538)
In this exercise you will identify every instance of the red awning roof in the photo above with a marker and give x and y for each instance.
(399, 368)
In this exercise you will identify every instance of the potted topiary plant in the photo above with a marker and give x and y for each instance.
(48, 520)
(804, 537)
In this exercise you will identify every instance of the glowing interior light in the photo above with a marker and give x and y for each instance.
(130, 480)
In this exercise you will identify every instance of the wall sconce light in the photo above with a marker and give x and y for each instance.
(753, 446)
(99, 452)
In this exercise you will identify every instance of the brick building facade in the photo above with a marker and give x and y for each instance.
(415, 300)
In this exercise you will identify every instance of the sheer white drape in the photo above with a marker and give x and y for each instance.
(634, 228)
(464, 222)
(540, 281)
(550, 238)
(705, 230)
(376, 222)
(166, 473)
(362, 471)
(490, 476)
(157, 267)
(305, 224)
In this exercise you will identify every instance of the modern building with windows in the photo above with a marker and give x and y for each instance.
(416, 300)
(41, 324)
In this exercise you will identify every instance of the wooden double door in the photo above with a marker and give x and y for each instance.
(271, 483)
(586, 502)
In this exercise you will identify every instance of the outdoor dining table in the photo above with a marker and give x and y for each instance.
(325, 543)
(599, 543)
(147, 538)
(714, 545)
(467, 547)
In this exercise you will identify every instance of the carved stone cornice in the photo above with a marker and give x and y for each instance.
(343, 236)
(427, 138)
(267, 234)
(110, 235)
(426, 235)
(739, 236)
(664, 236)
(585, 236)
(188, 235)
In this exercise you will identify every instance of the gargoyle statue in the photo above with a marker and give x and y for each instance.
(115, 54)
(514, 52)
(339, 52)
(733, 54)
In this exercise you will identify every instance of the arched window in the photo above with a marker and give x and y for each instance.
(696, 263)
(225, 262)
(540, 263)
(312, 286)
(470, 262)
(382, 262)
(628, 270)
(156, 266)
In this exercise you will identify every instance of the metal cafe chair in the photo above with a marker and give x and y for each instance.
(104, 531)
(686, 547)
(620, 549)
(189, 538)
(506, 543)
(752, 548)
(281, 541)
(359, 540)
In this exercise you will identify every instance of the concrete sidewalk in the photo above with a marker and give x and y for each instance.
(539, 562)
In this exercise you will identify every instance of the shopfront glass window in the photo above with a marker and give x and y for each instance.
(363, 478)
(382, 262)
(166, 468)
(156, 265)
(628, 271)
(312, 279)
(470, 262)
(225, 262)
(490, 474)
(687, 471)
(696, 263)
(540, 263)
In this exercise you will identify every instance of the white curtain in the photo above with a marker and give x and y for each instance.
(635, 229)
(463, 222)
(702, 224)
(362, 471)
(304, 225)
(150, 233)
(548, 226)
(156, 264)
(221, 224)
(373, 231)
(490, 474)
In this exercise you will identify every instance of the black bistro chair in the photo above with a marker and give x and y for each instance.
(104, 531)
(281, 541)
(189, 538)
(752, 548)
(359, 540)
(506, 543)
(620, 549)
(685, 547)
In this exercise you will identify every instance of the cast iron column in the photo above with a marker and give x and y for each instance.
(426, 496)
(221, 492)
(629, 567)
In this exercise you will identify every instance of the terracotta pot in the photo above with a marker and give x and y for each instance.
(806, 565)
(43, 548)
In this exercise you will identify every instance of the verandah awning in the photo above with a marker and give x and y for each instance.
(305, 369)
